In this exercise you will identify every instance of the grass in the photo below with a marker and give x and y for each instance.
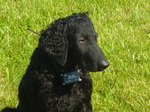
(124, 37)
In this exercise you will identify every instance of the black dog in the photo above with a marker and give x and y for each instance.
(57, 79)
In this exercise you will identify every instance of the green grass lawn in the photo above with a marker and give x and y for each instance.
(124, 36)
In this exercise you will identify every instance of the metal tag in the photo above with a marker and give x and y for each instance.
(71, 77)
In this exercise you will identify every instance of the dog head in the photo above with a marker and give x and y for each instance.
(73, 40)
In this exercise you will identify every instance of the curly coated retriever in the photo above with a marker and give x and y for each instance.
(57, 78)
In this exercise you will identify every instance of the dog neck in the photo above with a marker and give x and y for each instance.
(70, 74)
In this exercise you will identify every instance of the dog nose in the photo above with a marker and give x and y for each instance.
(103, 65)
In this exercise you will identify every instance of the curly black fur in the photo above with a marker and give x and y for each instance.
(67, 44)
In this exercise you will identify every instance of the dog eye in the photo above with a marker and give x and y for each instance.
(81, 40)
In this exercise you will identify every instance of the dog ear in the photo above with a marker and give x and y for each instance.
(54, 41)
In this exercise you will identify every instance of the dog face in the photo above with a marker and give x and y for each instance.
(84, 49)
(73, 40)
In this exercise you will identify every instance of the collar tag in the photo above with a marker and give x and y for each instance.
(71, 77)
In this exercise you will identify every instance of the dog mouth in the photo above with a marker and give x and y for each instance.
(96, 70)
(92, 68)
